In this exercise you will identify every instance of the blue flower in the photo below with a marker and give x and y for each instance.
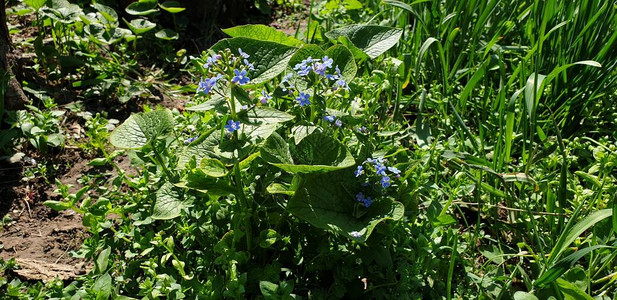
(359, 171)
(364, 200)
(385, 182)
(243, 54)
(240, 77)
(355, 234)
(394, 170)
(329, 118)
(362, 129)
(338, 123)
(380, 169)
(304, 99)
(320, 68)
(341, 83)
(232, 126)
(327, 61)
(190, 140)
(249, 65)
(206, 85)
(264, 97)
(212, 61)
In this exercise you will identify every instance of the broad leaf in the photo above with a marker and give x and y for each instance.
(263, 33)
(168, 203)
(102, 286)
(36, 4)
(316, 153)
(212, 167)
(328, 201)
(301, 131)
(269, 58)
(140, 26)
(264, 115)
(371, 39)
(172, 7)
(141, 8)
(166, 34)
(140, 129)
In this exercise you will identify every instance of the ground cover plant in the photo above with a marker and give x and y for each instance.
(388, 149)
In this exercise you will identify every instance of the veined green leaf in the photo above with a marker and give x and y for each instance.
(371, 39)
(269, 58)
(168, 203)
(328, 201)
(263, 33)
(316, 153)
(140, 129)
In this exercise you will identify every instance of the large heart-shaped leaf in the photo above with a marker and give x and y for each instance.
(263, 33)
(265, 115)
(168, 203)
(328, 201)
(316, 153)
(172, 7)
(371, 39)
(139, 129)
(269, 58)
(166, 34)
(35, 4)
(140, 26)
(141, 8)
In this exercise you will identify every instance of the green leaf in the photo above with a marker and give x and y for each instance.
(316, 153)
(102, 286)
(168, 203)
(564, 265)
(140, 26)
(107, 12)
(57, 205)
(571, 291)
(268, 289)
(261, 115)
(328, 201)
(213, 167)
(520, 295)
(301, 131)
(167, 34)
(141, 8)
(140, 129)
(263, 33)
(280, 188)
(269, 59)
(371, 39)
(102, 260)
(172, 7)
(62, 11)
(276, 151)
(572, 233)
(343, 58)
(268, 237)
(36, 4)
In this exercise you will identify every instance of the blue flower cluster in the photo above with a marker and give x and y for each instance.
(330, 119)
(190, 140)
(364, 200)
(211, 61)
(340, 81)
(380, 170)
(319, 66)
